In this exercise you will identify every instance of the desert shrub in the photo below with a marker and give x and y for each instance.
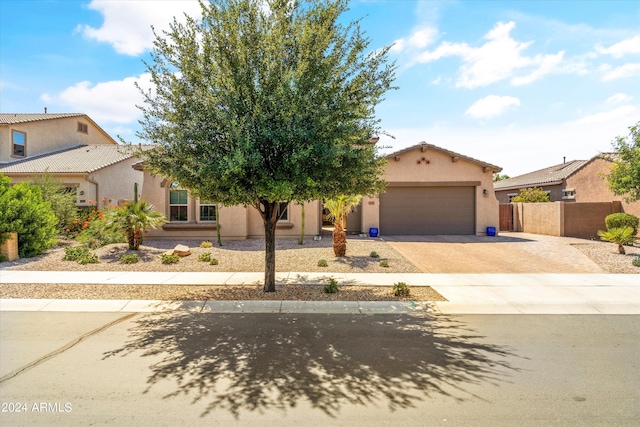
(89, 258)
(622, 220)
(322, 263)
(169, 258)
(61, 199)
(2, 258)
(205, 257)
(374, 254)
(80, 254)
(384, 264)
(23, 211)
(331, 287)
(636, 261)
(206, 244)
(401, 289)
(74, 253)
(129, 259)
(213, 261)
(95, 233)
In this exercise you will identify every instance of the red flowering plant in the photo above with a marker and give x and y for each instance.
(92, 225)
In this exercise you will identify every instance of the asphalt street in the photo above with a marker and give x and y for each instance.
(180, 368)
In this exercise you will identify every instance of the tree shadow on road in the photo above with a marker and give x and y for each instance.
(259, 362)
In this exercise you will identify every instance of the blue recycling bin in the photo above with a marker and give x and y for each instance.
(491, 231)
(373, 232)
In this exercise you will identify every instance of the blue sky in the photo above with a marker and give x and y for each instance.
(517, 84)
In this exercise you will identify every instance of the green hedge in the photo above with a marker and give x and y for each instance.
(622, 220)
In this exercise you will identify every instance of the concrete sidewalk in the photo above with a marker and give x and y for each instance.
(465, 293)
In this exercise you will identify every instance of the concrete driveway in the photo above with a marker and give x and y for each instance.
(506, 253)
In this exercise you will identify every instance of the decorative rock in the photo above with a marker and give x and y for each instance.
(182, 250)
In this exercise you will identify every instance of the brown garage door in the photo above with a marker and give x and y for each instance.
(427, 210)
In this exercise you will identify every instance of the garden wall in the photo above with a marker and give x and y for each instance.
(581, 220)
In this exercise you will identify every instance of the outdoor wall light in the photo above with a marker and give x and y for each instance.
(485, 192)
(82, 192)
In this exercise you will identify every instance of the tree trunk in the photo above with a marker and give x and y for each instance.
(269, 216)
(218, 226)
(621, 250)
(339, 239)
(131, 238)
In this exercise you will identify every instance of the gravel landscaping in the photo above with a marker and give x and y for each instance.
(248, 256)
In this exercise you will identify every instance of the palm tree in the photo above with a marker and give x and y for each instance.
(338, 210)
(133, 219)
(620, 236)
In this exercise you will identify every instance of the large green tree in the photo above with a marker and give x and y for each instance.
(267, 101)
(624, 179)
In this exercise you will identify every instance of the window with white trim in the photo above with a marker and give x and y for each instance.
(178, 203)
(569, 193)
(207, 211)
(19, 144)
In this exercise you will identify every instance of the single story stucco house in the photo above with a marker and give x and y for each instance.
(430, 191)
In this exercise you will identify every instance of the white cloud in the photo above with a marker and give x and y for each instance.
(127, 24)
(497, 59)
(626, 70)
(108, 102)
(618, 98)
(608, 116)
(491, 106)
(420, 39)
(622, 48)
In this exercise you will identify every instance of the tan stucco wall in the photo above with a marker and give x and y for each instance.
(116, 182)
(236, 222)
(293, 226)
(49, 135)
(434, 166)
(591, 186)
(370, 213)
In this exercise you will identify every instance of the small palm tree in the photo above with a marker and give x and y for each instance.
(620, 236)
(338, 210)
(133, 219)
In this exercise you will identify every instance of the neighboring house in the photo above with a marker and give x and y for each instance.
(574, 181)
(72, 148)
(430, 191)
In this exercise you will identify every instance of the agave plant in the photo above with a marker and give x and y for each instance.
(338, 210)
(133, 219)
(620, 236)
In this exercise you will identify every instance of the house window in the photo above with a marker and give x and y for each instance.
(569, 193)
(207, 211)
(511, 196)
(19, 140)
(83, 128)
(283, 211)
(178, 199)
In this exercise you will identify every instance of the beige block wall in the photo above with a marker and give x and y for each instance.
(539, 218)
(413, 167)
(370, 213)
(49, 135)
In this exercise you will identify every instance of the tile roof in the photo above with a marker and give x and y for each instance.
(14, 118)
(78, 159)
(17, 118)
(550, 175)
(494, 168)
